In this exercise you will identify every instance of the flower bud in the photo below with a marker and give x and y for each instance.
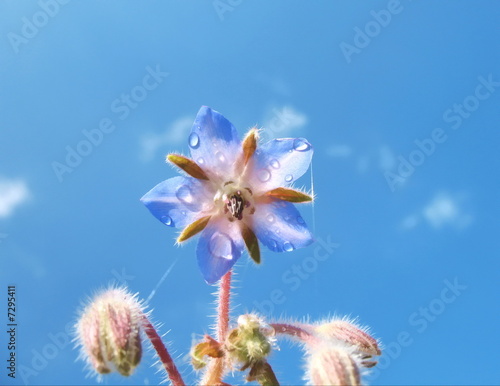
(109, 332)
(251, 341)
(347, 332)
(332, 365)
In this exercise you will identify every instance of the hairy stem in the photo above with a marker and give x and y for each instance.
(293, 331)
(161, 350)
(215, 370)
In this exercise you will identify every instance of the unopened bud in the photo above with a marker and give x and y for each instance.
(251, 341)
(332, 365)
(347, 332)
(109, 332)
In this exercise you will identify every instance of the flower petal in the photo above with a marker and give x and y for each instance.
(214, 142)
(280, 162)
(279, 226)
(219, 247)
(178, 201)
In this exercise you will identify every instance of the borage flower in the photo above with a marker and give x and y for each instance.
(236, 193)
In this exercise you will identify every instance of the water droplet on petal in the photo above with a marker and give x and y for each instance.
(301, 144)
(275, 163)
(288, 178)
(185, 195)
(194, 140)
(264, 175)
(220, 157)
(200, 160)
(167, 220)
(274, 245)
(270, 218)
(300, 220)
(221, 246)
(183, 212)
(288, 247)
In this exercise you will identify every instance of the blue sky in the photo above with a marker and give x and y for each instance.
(400, 100)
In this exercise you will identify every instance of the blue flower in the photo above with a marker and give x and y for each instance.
(235, 192)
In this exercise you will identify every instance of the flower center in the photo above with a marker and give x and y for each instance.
(235, 200)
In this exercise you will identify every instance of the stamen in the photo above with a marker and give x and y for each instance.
(237, 204)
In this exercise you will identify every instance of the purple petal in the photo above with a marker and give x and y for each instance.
(178, 201)
(280, 162)
(214, 142)
(279, 226)
(219, 247)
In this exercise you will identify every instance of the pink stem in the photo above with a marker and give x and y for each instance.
(293, 331)
(161, 350)
(215, 370)
(223, 307)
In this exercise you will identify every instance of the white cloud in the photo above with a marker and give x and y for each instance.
(386, 158)
(12, 194)
(176, 133)
(444, 210)
(410, 222)
(283, 122)
(339, 151)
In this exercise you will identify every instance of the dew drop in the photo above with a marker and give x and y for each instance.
(288, 178)
(220, 157)
(275, 164)
(185, 195)
(167, 220)
(300, 220)
(264, 175)
(221, 246)
(274, 245)
(200, 160)
(288, 247)
(301, 144)
(194, 140)
(270, 218)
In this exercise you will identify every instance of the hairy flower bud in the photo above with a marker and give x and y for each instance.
(332, 365)
(251, 341)
(344, 331)
(109, 332)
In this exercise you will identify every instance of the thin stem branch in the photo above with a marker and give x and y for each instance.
(293, 331)
(161, 350)
(215, 370)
